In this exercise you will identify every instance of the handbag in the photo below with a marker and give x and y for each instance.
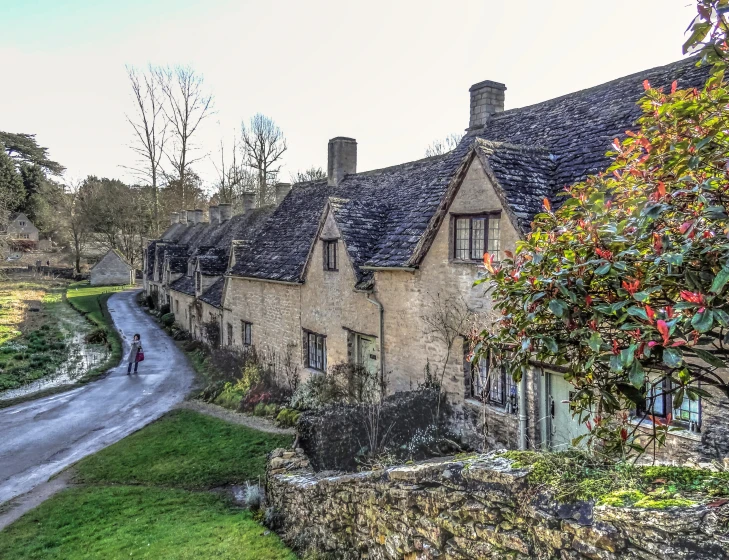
(140, 355)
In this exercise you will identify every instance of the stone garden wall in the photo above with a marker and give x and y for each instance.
(480, 508)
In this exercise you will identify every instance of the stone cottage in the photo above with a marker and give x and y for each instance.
(20, 228)
(112, 270)
(377, 267)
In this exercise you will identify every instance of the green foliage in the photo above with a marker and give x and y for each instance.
(24, 149)
(12, 193)
(319, 390)
(574, 475)
(271, 410)
(168, 319)
(259, 410)
(288, 417)
(176, 451)
(626, 283)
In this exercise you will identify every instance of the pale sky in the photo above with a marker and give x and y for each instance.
(392, 74)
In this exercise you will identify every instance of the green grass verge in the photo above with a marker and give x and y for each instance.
(139, 500)
(90, 301)
(184, 449)
(132, 522)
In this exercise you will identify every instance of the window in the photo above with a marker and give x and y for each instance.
(316, 350)
(659, 403)
(246, 332)
(22, 223)
(230, 334)
(496, 388)
(330, 255)
(177, 306)
(475, 235)
(198, 281)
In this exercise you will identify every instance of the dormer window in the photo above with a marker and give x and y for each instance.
(330, 255)
(476, 235)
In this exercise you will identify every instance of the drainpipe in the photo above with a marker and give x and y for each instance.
(522, 411)
(382, 332)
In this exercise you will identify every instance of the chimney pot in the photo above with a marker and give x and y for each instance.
(342, 159)
(249, 201)
(282, 189)
(198, 216)
(190, 217)
(214, 213)
(226, 211)
(487, 98)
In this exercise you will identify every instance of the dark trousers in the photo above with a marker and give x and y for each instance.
(135, 364)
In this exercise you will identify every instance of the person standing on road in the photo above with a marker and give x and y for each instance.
(133, 358)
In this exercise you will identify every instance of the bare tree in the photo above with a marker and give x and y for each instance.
(150, 129)
(234, 178)
(263, 146)
(187, 105)
(311, 174)
(71, 204)
(447, 144)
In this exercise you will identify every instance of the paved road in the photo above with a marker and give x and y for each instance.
(41, 437)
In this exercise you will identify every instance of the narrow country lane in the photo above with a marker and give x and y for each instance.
(41, 437)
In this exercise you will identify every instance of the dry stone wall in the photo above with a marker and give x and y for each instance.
(479, 508)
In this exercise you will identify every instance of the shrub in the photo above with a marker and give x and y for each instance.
(165, 309)
(253, 496)
(259, 410)
(287, 418)
(271, 410)
(255, 396)
(97, 336)
(319, 390)
(168, 319)
(230, 396)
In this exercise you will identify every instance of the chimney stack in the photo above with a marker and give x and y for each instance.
(226, 211)
(342, 159)
(173, 218)
(249, 201)
(190, 217)
(282, 189)
(214, 213)
(198, 216)
(487, 98)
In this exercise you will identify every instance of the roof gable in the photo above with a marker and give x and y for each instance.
(113, 254)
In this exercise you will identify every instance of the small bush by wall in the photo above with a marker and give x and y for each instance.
(343, 436)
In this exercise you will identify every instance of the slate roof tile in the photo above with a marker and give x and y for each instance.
(214, 294)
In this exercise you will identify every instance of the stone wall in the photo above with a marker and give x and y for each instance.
(481, 508)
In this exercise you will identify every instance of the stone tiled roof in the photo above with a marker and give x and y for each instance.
(214, 294)
(214, 262)
(178, 265)
(387, 217)
(578, 128)
(185, 284)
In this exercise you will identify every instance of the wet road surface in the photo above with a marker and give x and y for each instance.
(41, 437)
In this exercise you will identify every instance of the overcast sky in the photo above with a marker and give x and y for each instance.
(392, 74)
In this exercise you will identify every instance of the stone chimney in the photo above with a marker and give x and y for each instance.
(342, 159)
(249, 201)
(487, 98)
(198, 216)
(282, 189)
(226, 211)
(190, 217)
(214, 213)
(173, 218)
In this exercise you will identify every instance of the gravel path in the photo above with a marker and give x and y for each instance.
(255, 422)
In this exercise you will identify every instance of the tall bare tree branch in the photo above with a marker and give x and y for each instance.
(263, 146)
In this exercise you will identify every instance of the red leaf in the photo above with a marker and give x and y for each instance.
(547, 205)
(487, 260)
(692, 297)
(674, 85)
(717, 503)
(685, 227)
(646, 85)
(662, 327)
(661, 188)
(651, 314)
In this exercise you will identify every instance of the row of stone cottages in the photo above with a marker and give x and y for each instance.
(368, 267)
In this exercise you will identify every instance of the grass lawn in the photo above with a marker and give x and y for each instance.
(185, 450)
(91, 302)
(145, 497)
(32, 337)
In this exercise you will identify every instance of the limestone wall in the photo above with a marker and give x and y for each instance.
(469, 510)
